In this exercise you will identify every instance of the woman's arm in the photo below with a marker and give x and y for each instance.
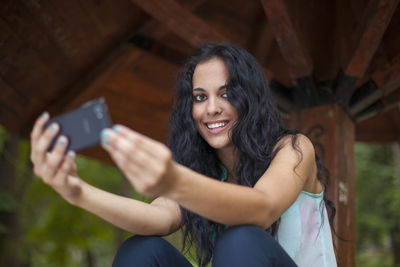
(262, 205)
(58, 170)
(149, 166)
(161, 217)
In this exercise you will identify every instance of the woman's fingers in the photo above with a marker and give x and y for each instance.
(64, 182)
(37, 131)
(133, 150)
(54, 158)
(143, 160)
(141, 141)
(66, 167)
(38, 126)
(42, 144)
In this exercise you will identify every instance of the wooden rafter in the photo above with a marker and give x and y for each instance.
(382, 127)
(181, 21)
(368, 35)
(366, 39)
(287, 39)
(392, 99)
(300, 68)
(156, 30)
(263, 41)
(385, 80)
(388, 77)
(89, 85)
(383, 105)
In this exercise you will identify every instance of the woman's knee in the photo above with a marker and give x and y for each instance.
(139, 249)
(237, 236)
(249, 246)
(148, 251)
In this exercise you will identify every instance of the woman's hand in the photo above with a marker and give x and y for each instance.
(147, 164)
(55, 168)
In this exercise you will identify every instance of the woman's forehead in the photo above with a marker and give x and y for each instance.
(211, 72)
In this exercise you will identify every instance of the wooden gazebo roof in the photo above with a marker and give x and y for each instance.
(55, 55)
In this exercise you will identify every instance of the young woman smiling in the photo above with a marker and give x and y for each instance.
(246, 190)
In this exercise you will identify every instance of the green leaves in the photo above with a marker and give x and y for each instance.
(7, 201)
(377, 202)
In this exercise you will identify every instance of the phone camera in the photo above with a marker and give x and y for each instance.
(98, 111)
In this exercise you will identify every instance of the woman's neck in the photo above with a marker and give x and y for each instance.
(227, 156)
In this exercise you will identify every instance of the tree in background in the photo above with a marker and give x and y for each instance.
(377, 204)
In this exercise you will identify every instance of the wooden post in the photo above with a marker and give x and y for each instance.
(332, 132)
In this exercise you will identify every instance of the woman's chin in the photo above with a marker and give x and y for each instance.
(219, 145)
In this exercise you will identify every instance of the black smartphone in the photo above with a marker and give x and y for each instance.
(83, 125)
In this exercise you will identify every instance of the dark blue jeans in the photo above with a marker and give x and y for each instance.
(238, 246)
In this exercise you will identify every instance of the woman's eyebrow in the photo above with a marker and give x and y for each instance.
(202, 90)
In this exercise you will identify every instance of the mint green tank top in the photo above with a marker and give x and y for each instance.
(304, 232)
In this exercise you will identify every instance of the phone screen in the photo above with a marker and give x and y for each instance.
(83, 126)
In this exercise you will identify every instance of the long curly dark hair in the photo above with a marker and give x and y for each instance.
(255, 134)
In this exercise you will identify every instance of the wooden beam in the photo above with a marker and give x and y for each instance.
(385, 80)
(388, 77)
(70, 28)
(392, 99)
(263, 41)
(90, 84)
(278, 93)
(181, 21)
(381, 106)
(366, 39)
(368, 35)
(156, 29)
(383, 127)
(332, 132)
(300, 67)
(286, 37)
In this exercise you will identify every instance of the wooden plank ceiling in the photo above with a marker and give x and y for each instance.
(55, 55)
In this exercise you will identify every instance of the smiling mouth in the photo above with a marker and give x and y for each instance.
(216, 125)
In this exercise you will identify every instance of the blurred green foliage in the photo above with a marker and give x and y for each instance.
(377, 203)
(63, 235)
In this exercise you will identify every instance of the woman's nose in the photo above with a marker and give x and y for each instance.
(213, 107)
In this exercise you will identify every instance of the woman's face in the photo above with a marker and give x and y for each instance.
(212, 113)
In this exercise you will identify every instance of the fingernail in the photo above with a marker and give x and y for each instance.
(44, 115)
(61, 141)
(116, 128)
(71, 154)
(53, 127)
(104, 143)
(104, 134)
(104, 137)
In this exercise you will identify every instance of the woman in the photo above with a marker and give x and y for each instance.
(232, 171)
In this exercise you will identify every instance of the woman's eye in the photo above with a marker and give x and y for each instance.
(199, 98)
(224, 95)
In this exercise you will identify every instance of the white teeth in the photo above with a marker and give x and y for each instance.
(216, 125)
